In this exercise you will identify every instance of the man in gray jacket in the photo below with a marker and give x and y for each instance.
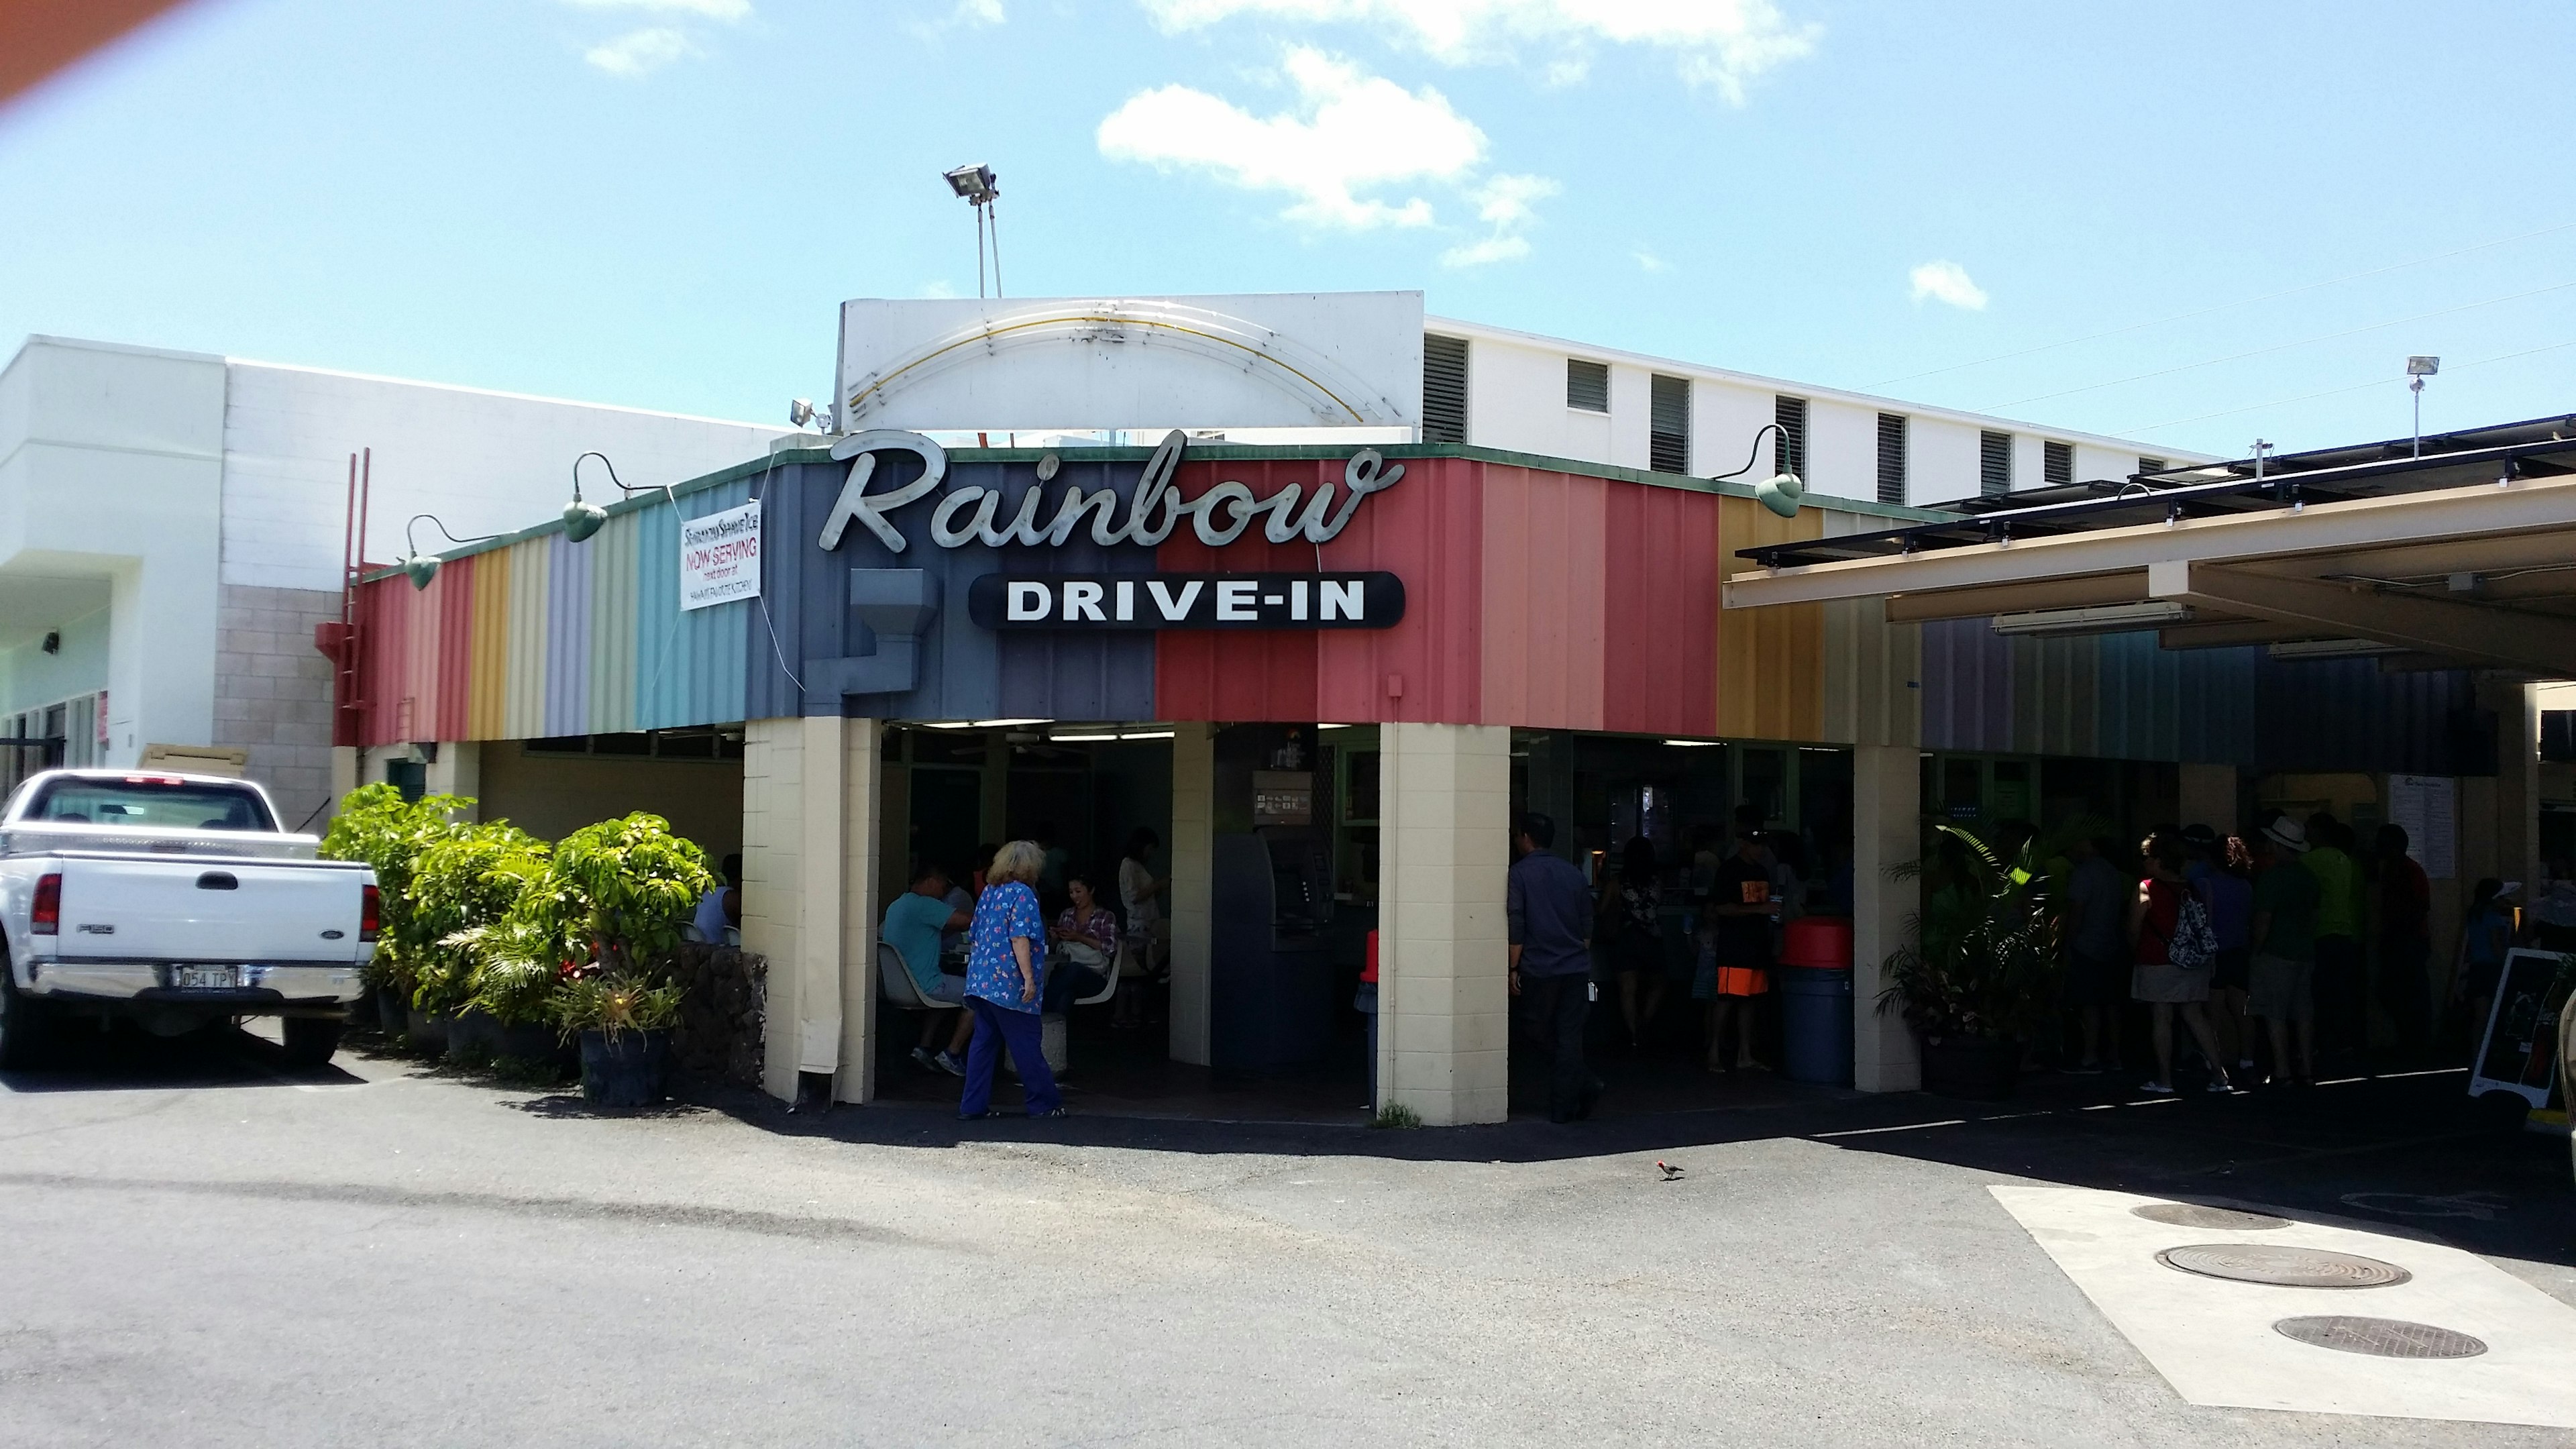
(1550, 914)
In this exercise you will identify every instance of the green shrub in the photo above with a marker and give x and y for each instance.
(465, 891)
(615, 1004)
(378, 826)
(617, 894)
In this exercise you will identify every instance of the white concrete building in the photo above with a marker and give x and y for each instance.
(171, 531)
(1565, 399)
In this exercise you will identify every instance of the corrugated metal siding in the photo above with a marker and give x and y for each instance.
(523, 712)
(1771, 682)
(1546, 637)
(1429, 529)
(491, 635)
(568, 607)
(689, 668)
(454, 669)
(1660, 579)
(614, 565)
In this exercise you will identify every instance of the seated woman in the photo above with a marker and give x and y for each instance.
(1081, 945)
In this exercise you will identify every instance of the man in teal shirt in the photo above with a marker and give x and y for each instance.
(2283, 936)
(912, 926)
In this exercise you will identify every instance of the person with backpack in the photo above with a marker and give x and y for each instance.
(2174, 951)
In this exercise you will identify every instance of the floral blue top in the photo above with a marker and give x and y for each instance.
(992, 972)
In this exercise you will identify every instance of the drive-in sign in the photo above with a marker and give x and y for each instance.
(1359, 600)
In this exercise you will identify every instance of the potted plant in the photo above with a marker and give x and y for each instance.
(375, 824)
(624, 1026)
(466, 888)
(607, 914)
(1979, 977)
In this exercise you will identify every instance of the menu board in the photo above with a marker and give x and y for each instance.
(2519, 1051)
(2427, 805)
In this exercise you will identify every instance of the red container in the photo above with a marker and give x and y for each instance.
(1818, 943)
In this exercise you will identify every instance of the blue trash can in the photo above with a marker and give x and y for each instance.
(1816, 1024)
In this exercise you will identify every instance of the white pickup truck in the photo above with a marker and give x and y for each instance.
(174, 901)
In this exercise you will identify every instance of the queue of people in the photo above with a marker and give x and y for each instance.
(985, 948)
(2260, 943)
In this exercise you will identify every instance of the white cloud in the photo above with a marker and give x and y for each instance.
(1717, 43)
(939, 288)
(979, 12)
(1504, 203)
(640, 52)
(731, 12)
(1350, 134)
(1648, 262)
(1948, 282)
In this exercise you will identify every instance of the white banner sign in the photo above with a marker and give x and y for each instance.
(720, 557)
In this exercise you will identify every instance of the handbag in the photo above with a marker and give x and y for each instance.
(2193, 946)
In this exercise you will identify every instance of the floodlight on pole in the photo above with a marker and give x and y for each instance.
(2418, 369)
(978, 187)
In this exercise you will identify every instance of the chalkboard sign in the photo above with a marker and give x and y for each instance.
(2519, 1051)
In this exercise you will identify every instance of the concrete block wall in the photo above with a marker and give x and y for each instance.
(809, 861)
(273, 691)
(1444, 1023)
(773, 847)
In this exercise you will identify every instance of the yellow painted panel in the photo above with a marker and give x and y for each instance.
(523, 710)
(490, 665)
(1770, 662)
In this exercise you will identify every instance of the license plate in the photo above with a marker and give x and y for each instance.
(205, 978)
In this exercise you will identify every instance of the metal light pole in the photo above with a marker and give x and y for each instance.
(2420, 368)
(980, 188)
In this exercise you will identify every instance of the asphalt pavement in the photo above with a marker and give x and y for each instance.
(203, 1250)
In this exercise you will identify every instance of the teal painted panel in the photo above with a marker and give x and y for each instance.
(690, 668)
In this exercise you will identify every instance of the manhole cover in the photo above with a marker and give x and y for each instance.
(2283, 1267)
(2193, 1215)
(2385, 1337)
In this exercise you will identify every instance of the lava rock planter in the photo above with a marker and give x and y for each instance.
(624, 1070)
(1976, 1068)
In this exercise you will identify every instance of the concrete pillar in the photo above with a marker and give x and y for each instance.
(345, 777)
(2517, 786)
(1887, 790)
(1193, 848)
(458, 770)
(2209, 797)
(1444, 1008)
(809, 860)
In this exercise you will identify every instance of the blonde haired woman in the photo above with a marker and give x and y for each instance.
(1003, 948)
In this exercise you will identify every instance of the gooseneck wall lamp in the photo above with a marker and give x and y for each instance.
(1781, 491)
(424, 566)
(582, 519)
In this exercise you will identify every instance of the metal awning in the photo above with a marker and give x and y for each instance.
(2464, 555)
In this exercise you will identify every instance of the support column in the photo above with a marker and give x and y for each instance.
(2517, 785)
(345, 777)
(2209, 797)
(458, 770)
(809, 863)
(1193, 881)
(1444, 1008)
(1887, 790)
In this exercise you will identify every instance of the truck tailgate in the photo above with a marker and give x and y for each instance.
(142, 908)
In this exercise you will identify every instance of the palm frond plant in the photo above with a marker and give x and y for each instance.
(1982, 961)
(614, 1005)
(464, 887)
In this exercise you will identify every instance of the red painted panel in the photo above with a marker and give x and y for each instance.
(384, 655)
(1543, 554)
(1429, 530)
(1660, 585)
(453, 690)
(1240, 675)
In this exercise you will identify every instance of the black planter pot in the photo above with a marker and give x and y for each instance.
(1978, 1068)
(393, 1011)
(428, 1031)
(624, 1070)
(532, 1041)
(472, 1033)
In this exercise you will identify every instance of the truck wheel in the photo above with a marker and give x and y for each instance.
(26, 1025)
(310, 1040)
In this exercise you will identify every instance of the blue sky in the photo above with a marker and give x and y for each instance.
(660, 202)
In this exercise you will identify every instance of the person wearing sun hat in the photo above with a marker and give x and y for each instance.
(2284, 942)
